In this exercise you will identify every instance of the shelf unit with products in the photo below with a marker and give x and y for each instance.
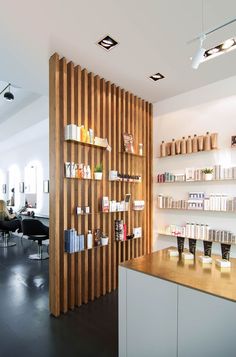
(83, 99)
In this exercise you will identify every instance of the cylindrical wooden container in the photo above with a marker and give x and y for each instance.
(183, 145)
(163, 149)
(194, 143)
(189, 145)
(178, 147)
(200, 140)
(214, 140)
(172, 148)
(207, 142)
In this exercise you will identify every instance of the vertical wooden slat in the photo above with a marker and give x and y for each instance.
(78, 114)
(71, 206)
(91, 190)
(105, 217)
(64, 186)
(55, 184)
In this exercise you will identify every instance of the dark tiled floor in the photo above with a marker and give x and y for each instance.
(26, 328)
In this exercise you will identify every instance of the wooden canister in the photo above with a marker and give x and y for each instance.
(200, 140)
(194, 143)
(189, 145)
(214, 140)
(183, 145)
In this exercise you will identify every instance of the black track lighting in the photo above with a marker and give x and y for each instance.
(8, 95)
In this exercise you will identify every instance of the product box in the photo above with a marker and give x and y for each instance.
(81, 242)
(105, 204)
(137, 232)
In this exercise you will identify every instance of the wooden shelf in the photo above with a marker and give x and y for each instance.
(195, 181)
(127, 240)
(123, 181)
(192, 153)
(85, 144)
(132, 154)
(82, 179)
(87, 250)
(195, 210)
(207, 240)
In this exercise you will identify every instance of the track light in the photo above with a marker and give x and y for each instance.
(199, 56)
(8, 95)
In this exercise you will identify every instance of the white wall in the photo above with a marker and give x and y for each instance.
(29, 146)
(210, 108)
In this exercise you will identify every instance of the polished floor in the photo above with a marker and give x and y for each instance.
(26, 328)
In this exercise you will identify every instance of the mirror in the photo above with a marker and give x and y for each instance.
(31, 186)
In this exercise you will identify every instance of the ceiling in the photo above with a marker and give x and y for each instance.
(22, 98)
(152, 38)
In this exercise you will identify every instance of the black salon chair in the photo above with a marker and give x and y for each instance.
(36, 231)
(5, 234)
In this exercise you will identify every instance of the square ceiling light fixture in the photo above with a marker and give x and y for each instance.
(225, 47)
(107, 43)
(156, 77)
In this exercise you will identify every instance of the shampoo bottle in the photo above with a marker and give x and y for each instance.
(89, 240)
(183, 145)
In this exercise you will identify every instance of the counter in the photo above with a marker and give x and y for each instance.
(170, 307)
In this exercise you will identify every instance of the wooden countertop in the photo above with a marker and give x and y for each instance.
(207, 278)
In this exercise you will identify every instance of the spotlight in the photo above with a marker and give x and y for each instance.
(107, 43)
(157, 77)
(227, 44)
(199, 56)
(8, 95)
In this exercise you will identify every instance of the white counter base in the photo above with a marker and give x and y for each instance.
(158, 318)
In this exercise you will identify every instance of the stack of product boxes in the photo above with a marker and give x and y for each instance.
(73, 242)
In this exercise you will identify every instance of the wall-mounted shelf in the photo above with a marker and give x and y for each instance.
(213, 241)
(87, 250)
(86, 144)
(132, 154)
(192, 153)
(82, 179)
(195, 181)
(194, 210)
(125, 181)
(127, 240)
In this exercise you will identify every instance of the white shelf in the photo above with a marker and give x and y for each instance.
(195, 210)
(213, 241)
(196, 181)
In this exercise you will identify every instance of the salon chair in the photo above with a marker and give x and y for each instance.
(38, 232)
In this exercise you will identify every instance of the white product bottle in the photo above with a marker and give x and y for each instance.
(85, 172)
(88, 172)
(89, 240)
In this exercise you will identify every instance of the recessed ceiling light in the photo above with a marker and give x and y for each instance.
(157, 77)
(107, 43)
(220, 49)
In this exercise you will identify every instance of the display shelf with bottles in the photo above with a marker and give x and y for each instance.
(189, 145)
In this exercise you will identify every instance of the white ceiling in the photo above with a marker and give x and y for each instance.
(152, 36)
(22, 98)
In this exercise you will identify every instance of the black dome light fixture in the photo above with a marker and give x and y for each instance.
(8, 95)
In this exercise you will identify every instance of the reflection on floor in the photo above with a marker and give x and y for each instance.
(25, 324)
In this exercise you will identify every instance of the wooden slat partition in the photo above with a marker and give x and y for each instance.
(82, 98)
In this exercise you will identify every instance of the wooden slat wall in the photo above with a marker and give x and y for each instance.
(79, 97)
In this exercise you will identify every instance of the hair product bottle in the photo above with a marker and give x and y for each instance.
(214, 140)
(172, 148)
(194, 144)
(200, 140)
(183, 145)
(168, 149)
(189, 145)
(207, 141)
(178, 147)
(163, 149)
